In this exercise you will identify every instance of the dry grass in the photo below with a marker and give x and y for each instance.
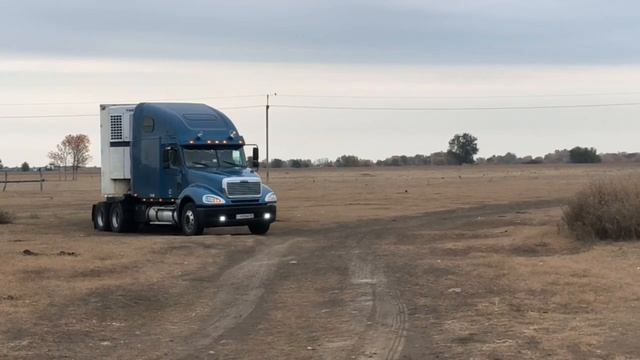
(5, 217)
(605, 210)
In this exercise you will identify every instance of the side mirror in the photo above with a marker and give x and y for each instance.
(255, 158)
(170, 157)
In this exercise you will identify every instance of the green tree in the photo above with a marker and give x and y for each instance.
(584, 155)
(463, 147)
(25, 166)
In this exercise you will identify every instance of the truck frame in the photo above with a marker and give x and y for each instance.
(179, 164)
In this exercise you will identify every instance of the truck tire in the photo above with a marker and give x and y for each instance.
(120, 219)
(189, 220)
(259, 228)
(100, 215)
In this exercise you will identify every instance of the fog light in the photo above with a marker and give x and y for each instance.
(222, 218)
(267, 216)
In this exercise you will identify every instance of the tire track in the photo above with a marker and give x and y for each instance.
(229, 301)
(384, 337)
(379, 322)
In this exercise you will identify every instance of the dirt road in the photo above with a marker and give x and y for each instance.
(495, 280)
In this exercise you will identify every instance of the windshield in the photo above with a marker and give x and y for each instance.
(214, 158)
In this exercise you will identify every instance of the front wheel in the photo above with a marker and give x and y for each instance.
(190, 222)
(259, 228)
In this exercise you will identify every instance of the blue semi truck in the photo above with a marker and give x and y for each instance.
(178, 164)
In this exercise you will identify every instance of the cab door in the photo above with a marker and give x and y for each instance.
(172, 171)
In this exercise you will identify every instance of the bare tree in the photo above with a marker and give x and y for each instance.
(74, 151)
(60, 156)
(79, 146)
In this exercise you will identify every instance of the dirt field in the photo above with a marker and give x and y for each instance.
(421, 263)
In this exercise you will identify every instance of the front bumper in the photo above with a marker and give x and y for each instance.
(210, 215)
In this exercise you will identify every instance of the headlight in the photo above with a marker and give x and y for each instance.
(271, 197)
(213, 199)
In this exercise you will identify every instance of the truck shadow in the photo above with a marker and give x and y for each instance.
(175, 231)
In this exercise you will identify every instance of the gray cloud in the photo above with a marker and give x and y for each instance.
(374, 31)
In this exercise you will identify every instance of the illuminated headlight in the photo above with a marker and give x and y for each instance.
(213, 199)
(271, 197)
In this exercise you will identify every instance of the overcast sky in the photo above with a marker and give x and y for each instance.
(480, 53)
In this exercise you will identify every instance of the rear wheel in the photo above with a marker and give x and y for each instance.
(120, 219)
(259, 228)
(189, 220)
(101, 216)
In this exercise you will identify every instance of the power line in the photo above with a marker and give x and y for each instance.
(45, 116)
(471, 108)
(366, 108)
(95, 115)
(329, 96)
(126, 102)
(240, 107)
(456, 97)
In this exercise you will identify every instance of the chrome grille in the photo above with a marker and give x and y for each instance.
(244, 188)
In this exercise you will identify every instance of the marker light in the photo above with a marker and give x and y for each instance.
(271, 197)
(209, 142)
(267, 216)
(213, 199)
(192, 142)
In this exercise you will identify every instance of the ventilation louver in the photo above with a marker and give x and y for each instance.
(116, 128)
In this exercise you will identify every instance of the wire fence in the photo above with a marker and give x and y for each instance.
(6, 181)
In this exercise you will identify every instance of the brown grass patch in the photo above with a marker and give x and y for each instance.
(605, 210)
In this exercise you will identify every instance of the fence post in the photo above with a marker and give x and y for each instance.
(41, 179)
(4, 188)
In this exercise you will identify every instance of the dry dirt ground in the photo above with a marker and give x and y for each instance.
(420, 263)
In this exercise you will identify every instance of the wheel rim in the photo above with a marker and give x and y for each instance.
(189, 220)
(100, 218)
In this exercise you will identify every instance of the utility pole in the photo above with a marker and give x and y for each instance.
(267, 136)
(267, 132)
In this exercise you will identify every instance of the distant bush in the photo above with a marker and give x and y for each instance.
(557, 157)
(299, 163)
(351, 161)
(606, 210)
(277, 163)
(508, 158)
(404, 160)
(5, 217)
(580, 155)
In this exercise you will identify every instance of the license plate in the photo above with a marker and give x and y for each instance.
(244, 216)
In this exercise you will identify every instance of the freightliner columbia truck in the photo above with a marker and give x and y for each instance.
(177, 164)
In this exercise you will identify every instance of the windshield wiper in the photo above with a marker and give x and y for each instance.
(230, 163)
(200, 163)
